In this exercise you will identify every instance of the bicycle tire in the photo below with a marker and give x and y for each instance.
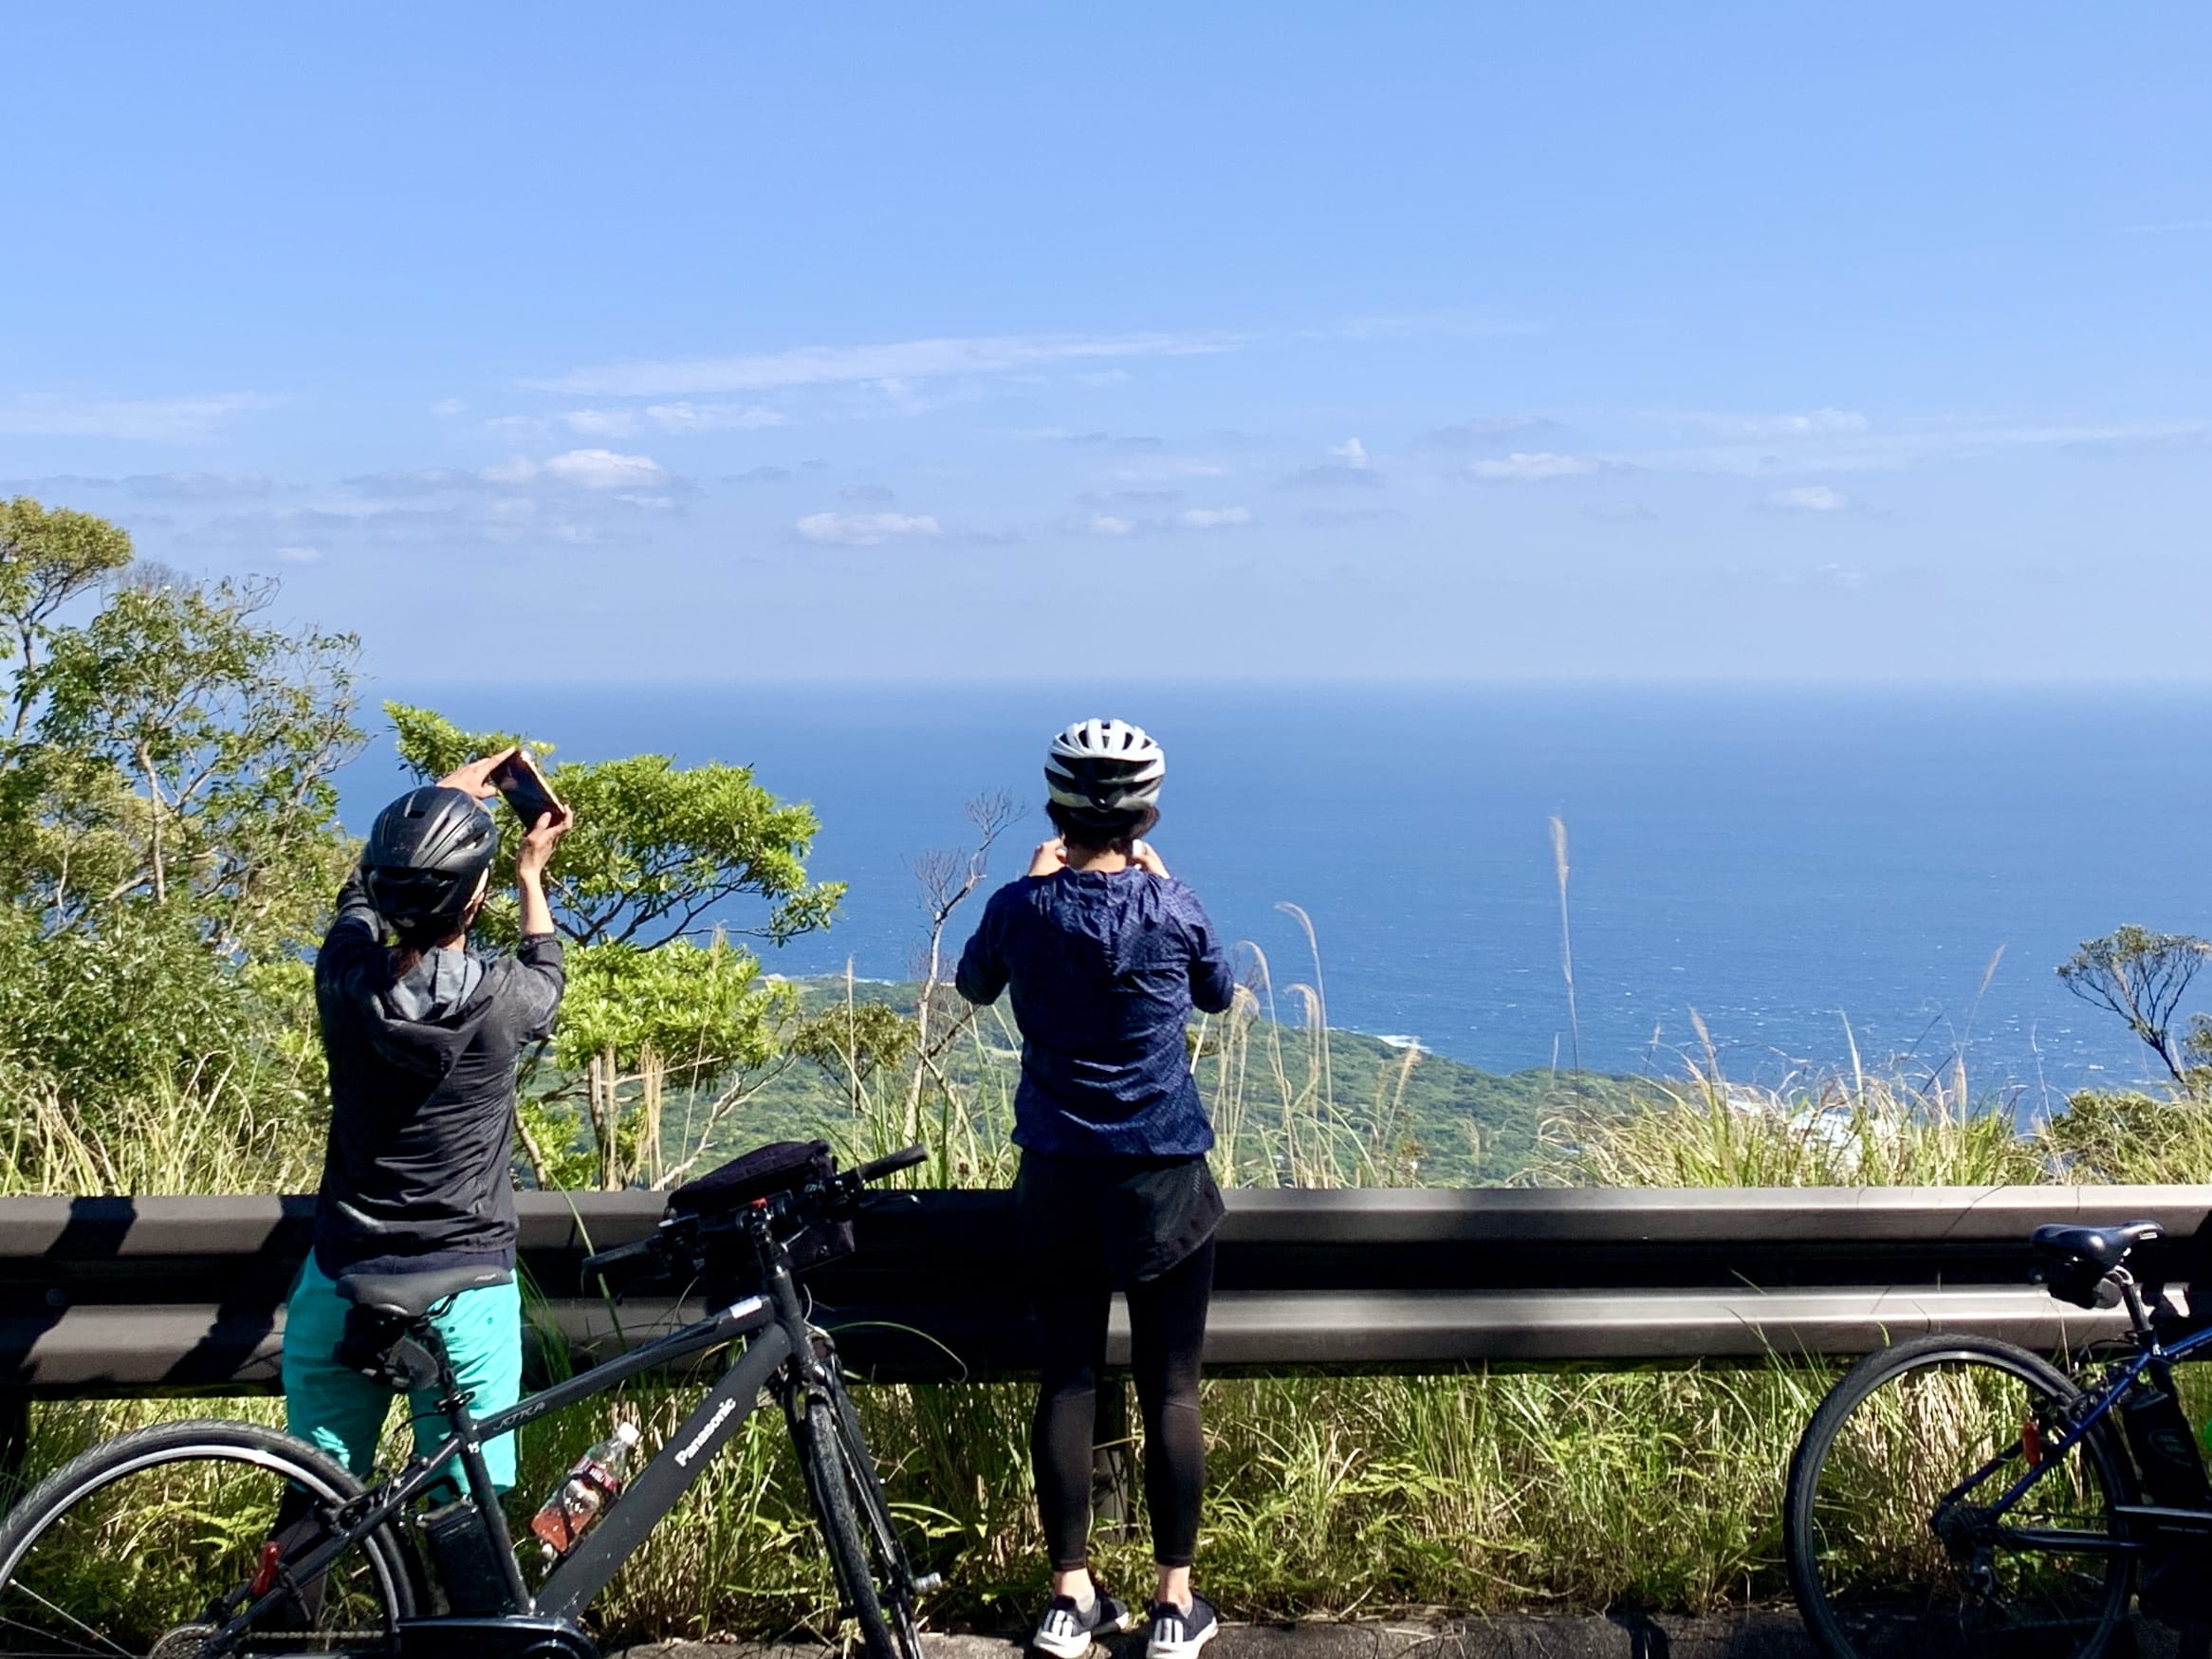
(837, 1496)
(1917, 1426)
(95, 1560)
(895, 1574)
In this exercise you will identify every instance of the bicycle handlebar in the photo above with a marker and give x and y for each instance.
(870, 1174)
(841, 1190)
(599, 1261)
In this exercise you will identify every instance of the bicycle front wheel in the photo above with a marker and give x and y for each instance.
(147, 1545)
(875, 1586)
(1895, 1548)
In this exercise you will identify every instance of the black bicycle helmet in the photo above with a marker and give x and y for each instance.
(425, 861)
(1103, 770)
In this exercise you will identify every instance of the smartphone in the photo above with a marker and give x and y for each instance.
(524, 788)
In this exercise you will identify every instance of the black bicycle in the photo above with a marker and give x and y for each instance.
(1956, 1494)
(203, 1540)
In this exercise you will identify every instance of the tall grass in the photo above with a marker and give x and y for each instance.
(1857, 1131)
(213, 1131)
(1574, 1487)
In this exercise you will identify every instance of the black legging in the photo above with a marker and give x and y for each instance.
(1166, 1327)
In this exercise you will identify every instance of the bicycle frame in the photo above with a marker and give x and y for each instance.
(646, 1498)
(2151, 1355)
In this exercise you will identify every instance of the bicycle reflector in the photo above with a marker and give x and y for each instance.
(2031, 1443)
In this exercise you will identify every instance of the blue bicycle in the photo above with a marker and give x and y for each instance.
(1959, 1495)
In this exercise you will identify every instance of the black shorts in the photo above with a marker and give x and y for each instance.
(1122, 1221)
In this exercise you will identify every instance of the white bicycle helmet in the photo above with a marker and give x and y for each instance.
(1104, 766)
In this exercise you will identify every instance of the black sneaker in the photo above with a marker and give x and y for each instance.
(1179, 1632)
(1066, 1631)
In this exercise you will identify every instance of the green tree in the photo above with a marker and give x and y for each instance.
(182, 753)
(2142, 977)
(168, 831)
(669, 1026)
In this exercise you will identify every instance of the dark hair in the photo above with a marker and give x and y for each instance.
(1102, 832)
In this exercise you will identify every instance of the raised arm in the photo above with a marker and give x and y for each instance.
(1213, 981)
(982, 974)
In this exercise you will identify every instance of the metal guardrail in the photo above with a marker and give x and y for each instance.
(113, 1295)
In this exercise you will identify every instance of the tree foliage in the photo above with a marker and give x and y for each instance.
(668, 1027)
(169, 839)
(2142, 977)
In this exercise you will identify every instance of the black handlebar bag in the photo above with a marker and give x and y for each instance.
(721, 1195)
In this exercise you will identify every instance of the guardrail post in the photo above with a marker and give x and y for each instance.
(1112, 1461)
(15, 1436)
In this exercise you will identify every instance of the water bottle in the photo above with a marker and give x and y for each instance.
(2165, 1451)
(583, 1495)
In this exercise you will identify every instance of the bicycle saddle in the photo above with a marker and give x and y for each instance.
(2104, 1247)
(411, 1295)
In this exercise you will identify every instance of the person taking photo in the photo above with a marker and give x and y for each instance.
(423, 1036)
(1106, 955)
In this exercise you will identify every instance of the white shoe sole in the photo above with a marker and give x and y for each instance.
(1186, 1650)
(1076, 1647)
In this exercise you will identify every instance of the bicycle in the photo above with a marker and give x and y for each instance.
(205, 1540)
(1958, 1495)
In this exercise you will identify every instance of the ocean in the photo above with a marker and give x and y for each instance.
(1804, 868)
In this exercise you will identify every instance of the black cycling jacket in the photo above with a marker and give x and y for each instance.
(422, 1095)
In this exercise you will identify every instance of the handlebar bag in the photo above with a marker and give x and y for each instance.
(783, 1165)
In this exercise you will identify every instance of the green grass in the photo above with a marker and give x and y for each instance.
(1568, 1487)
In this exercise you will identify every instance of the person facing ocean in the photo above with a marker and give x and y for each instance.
(1106, 955)
(423, 1036)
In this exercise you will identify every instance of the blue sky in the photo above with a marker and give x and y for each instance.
(724, 342)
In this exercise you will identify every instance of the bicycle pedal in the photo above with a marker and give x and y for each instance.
(927, 1582)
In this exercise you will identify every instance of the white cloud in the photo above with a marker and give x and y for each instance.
(1491, 432)
(670, 417)
(446, 408)
(172, 420)
(1815, 423)
(1530, 466)
(1809, 498)
(197, 486)
(588, 469)
(913, 359)
(1349, 466)
(864, 529)
(1907, 444)
(1152, 467)
(299, 555)
(1214, 518)
(1107, 525)
(603, 471)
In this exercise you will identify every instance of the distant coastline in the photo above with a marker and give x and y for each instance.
(1776, 859)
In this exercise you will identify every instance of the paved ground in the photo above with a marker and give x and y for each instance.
(1621, 1636)
(1759, 1635)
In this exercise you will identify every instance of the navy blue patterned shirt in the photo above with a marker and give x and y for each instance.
(1105, 969)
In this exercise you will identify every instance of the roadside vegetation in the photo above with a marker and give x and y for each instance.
(169, 842)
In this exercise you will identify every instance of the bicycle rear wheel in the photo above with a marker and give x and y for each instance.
(146, 1544)
(1892, 1550)
(874, 1584)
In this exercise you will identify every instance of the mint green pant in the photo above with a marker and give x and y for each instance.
(336, 1408)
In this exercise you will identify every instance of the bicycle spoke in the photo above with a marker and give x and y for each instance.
(1903, 1566)
(138, 1557)
(65, 1617)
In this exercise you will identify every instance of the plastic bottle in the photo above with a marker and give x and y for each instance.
(2166, 1451)
(591, 1485)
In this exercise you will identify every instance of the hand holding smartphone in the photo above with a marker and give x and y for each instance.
(523, 788)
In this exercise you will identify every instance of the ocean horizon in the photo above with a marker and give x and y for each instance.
(1808, 869)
